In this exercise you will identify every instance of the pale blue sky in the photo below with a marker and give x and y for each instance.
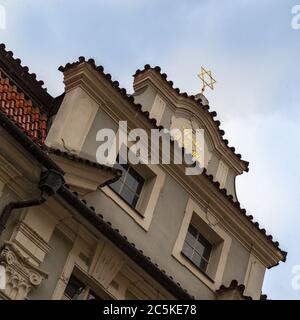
(250, 47)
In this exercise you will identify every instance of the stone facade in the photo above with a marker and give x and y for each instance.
(114, 250)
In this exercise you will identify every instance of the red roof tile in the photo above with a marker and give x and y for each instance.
(22, 111)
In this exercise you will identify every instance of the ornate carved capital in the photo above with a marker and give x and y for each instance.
(21, 274)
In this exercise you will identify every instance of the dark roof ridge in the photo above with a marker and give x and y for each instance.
(115, 84)
(234, 285)
(199, 102)
(21, 76)
(74, 157)
(243, 211)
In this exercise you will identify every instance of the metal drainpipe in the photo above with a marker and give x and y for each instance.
(50, 182)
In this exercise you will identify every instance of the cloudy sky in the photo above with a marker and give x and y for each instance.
(253, 52)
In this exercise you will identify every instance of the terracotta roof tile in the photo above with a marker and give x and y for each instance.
(26, 81)
(234, 285)
(21, 110)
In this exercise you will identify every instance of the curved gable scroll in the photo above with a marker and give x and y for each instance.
(194, 105)
(183, 121)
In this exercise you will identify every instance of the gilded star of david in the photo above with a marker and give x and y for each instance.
(207, 79)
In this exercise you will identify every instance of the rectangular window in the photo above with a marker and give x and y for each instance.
(77, 290)
(130, 185)
(74, 288)
(197, 248)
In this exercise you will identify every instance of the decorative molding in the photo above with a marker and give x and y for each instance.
(222, 173)
(31, 242)
(21, 275)
(81, 177)
(180, 103)
(108, 263)
(219, 259)
(158, 108)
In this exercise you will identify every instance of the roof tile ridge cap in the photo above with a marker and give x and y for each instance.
(123, 92)
(18, 63)
(243, 211)
(206, 108)
(73, 156)
(234, 284)
(132, 244)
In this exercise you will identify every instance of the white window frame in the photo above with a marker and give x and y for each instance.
(143, 213)
(154, 180)
(219, 260)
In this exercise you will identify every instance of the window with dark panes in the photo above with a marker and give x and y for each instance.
(130, 185)
(92, 296)
(74, 288)
(78, 290)
(196, 248)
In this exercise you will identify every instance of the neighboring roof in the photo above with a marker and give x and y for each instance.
(138, 107)
(27, 116)
(195, 100)
(96, 220)
(234, 285)
(24, 80)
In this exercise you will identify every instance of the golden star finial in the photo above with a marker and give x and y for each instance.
(207, 79)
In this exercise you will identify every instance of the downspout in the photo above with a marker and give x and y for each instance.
(50, 181)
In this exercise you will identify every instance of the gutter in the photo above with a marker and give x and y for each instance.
(50, 182)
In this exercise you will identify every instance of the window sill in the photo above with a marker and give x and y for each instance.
(149, 197)
(126, 203)
(194, 264)
(142, 220)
